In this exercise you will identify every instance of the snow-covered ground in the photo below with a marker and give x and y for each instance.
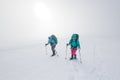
(100, 58)
(26, 24)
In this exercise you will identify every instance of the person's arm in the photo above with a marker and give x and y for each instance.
(48, 41)
(69, 43)
(78, 44)
(79, 47)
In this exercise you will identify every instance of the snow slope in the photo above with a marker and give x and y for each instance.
(100, 62)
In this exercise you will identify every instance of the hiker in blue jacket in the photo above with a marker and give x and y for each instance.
(52, 40)
(75, 44)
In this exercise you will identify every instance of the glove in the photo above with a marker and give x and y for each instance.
(46, 44)
(67, 44)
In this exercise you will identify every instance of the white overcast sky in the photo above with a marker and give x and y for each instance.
(23, 20)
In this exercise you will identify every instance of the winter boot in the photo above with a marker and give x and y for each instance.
(71, 57)
(53, 53)
(75, 56)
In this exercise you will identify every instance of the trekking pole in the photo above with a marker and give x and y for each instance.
(80, 56)
(66, 53)
(46, 49)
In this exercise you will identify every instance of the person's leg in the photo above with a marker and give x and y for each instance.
(53, 49)
(74, 52)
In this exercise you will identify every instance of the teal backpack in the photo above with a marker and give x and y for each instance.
(54, 38)
(76, 36)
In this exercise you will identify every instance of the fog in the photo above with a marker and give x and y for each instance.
(29, 21)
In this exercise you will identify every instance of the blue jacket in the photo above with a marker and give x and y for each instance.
(74, 44)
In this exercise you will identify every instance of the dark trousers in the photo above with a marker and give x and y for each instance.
(53, 48)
